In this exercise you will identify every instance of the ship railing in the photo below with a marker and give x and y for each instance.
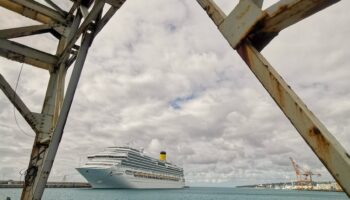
(152, 175)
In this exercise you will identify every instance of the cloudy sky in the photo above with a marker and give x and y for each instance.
(161, 76)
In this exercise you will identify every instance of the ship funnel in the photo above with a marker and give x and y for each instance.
(162, 156)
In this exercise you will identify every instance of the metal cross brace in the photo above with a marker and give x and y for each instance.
(84, 20)
(248, 29)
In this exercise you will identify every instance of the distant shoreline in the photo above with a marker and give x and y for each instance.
(325, 186)
(19, 184)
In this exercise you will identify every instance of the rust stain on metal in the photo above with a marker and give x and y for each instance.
(208, 10)
(281, 9)
(298, 107)
(280, 94)
(322, 144)
(276, 19)
(317, 6)
(243, 52)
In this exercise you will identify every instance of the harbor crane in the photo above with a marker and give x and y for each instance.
(304, 177)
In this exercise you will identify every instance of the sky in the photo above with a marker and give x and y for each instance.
(160, 76)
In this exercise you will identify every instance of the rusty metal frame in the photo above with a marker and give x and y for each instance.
(34, 10)
(25, 31)
(67, 27)
(22, 53)
(248, 29)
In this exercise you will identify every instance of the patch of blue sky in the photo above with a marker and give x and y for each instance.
(177, 102)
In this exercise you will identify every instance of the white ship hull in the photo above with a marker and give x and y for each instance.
(116, 178)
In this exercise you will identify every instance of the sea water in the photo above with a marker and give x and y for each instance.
(193, 193)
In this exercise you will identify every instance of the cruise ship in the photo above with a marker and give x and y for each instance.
(125, 167)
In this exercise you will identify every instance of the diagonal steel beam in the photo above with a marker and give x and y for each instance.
(21, 53)
(25, 31)
(95, 11)
(18, 103)
(282, 15)
(326, 147)
(321, 141)
(34, 10)
(213, 11)
(109, 14)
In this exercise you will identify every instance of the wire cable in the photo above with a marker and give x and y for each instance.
(14, 108)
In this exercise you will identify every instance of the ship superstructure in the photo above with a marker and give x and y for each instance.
(126, 167)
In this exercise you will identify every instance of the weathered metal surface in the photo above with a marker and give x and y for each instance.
(40, 144)
(21, 53)
(94, 13)
(58, 131)
(259, 3)
(49, 114)
(238, 24)
(213, 11)
(109, 14)
(67, 28)
(25, 31)
(48, 153)
(282, 15)
(97, 8)
(321, 141)
(34, 10)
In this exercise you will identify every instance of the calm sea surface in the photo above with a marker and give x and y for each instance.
(188, 193)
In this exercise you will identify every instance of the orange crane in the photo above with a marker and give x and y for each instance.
(304, 177)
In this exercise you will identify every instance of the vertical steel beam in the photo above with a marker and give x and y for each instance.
(52, 104)
(36, 177)
(321, 141)
(58, 131)
(49, 124)
(42, 138)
